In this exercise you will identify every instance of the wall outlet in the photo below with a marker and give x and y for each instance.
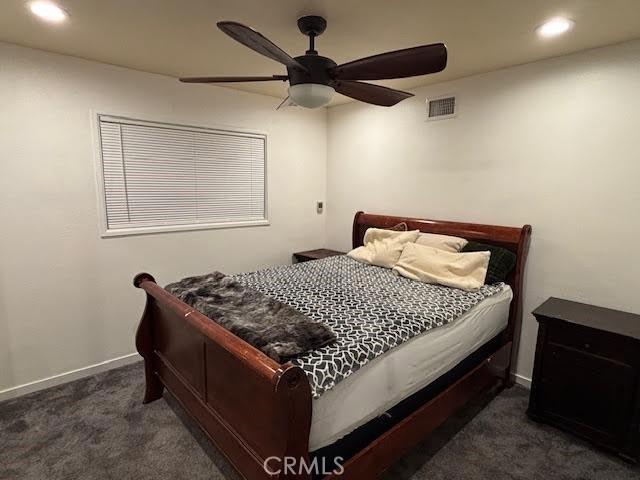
(319, 207)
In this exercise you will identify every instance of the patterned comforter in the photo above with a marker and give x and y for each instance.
(370, 309)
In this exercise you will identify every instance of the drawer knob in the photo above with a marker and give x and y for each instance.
(587, 346)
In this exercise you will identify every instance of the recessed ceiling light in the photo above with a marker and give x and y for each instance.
(555, 26)
(48, 11)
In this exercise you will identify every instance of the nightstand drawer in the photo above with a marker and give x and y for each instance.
(593, 341)
(587, 393)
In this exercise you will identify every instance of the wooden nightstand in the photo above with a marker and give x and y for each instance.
(586, 376)
(315, 254)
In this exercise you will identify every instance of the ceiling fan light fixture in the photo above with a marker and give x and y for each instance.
(311, 95)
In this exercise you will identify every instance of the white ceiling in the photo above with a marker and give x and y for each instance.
(179, 37)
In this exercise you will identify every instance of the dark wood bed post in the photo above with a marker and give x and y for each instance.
(144, 345)
(357, 236)
(516, 310)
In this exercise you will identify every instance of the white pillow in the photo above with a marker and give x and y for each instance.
(442, 242)
(465, 271)
(382, 247)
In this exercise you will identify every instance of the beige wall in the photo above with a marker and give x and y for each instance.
(66, 299)
(554, 143)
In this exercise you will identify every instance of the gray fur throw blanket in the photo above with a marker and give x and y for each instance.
(276, 329)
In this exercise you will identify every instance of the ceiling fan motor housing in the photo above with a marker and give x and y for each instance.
(312, 25)
(317, 70)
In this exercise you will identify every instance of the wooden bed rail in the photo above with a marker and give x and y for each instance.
(251, 407)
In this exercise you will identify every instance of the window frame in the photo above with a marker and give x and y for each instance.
(106, 232)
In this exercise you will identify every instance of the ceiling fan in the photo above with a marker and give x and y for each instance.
(313, 79)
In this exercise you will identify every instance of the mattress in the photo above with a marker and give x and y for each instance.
(405, 369)
(370, 309)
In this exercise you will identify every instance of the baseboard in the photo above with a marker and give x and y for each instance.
(79, 373)
(522, 380)
(70, 376)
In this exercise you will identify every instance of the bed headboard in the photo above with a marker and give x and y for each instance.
(515, 239)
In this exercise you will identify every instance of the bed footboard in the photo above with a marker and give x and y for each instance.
(256, 411)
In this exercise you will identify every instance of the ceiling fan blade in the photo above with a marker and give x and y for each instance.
(258, 42)
(233, 79)
(397, 64)
(366, 92)
(287, 102)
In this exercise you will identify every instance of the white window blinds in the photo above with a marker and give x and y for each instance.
(159, 177)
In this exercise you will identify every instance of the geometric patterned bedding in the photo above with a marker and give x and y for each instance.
(370, 309)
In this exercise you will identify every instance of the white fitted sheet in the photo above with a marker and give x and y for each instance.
(404, 370)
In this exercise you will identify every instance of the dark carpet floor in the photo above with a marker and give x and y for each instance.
(96, 428)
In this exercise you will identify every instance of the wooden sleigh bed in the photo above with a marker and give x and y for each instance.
(253, 408)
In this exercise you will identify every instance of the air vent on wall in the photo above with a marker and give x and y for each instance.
(441, 107)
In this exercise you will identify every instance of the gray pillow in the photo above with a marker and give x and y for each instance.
(501, 263)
